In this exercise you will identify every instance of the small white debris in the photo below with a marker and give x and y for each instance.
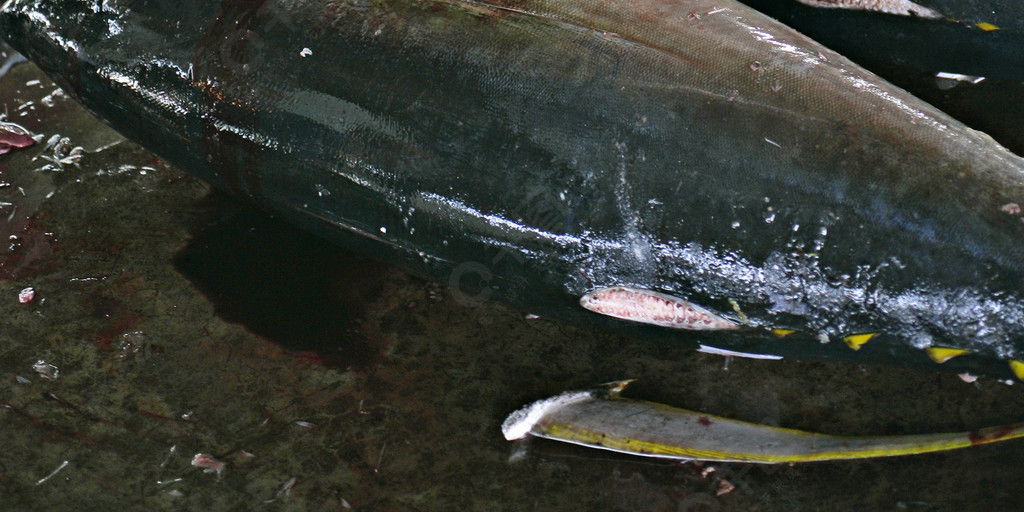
(43, 480)
(208, 463)
(384, 230)
(306, 52)
(971, 79)
(707, 349)
(46, 370)
(27, 295)
(772, 142)
(968, 378)
(286, 489)
(724, 487)
(170, 452)
(305, 424)
(531, 316)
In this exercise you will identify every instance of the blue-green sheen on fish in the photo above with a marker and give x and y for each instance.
(536, 151)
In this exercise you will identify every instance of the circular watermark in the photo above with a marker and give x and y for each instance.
(469, 283)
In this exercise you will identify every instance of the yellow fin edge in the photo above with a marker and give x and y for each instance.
(1018, 368)
(576, 435)
(942, 354)
(855, 341)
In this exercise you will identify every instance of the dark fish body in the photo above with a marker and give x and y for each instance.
(872, 39)
(535, 151)
(911, 52)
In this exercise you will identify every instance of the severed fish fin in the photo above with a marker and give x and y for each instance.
(901, 7)
(602, 419)
(650, 307)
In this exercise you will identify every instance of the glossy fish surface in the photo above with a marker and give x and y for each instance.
(536, 151)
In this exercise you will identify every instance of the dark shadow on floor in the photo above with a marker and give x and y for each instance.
(283, 284)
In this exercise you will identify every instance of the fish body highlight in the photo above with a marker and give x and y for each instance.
(537, 151)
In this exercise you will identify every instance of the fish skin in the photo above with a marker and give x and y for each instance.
(693, 147)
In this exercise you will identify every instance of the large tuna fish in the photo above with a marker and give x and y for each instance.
(684, 163)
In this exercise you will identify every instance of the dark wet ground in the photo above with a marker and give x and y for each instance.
(179, 322)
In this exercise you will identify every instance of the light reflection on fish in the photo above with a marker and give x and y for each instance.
(537, 151)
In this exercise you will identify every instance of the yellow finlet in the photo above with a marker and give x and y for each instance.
(1018, 368)
(942, 354)
(782, 333)
(987, 27)
(855, 341)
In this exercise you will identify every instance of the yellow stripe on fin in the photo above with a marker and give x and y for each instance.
(942, 354)
(603, 420)
(782, 333)
(987, 27)
(855, 341)
(1018, 368)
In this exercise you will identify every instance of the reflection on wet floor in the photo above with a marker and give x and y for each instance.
(182, 353)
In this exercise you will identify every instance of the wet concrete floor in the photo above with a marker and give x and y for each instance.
(169, 322)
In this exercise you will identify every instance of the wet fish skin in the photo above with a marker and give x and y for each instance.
(694, 148)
